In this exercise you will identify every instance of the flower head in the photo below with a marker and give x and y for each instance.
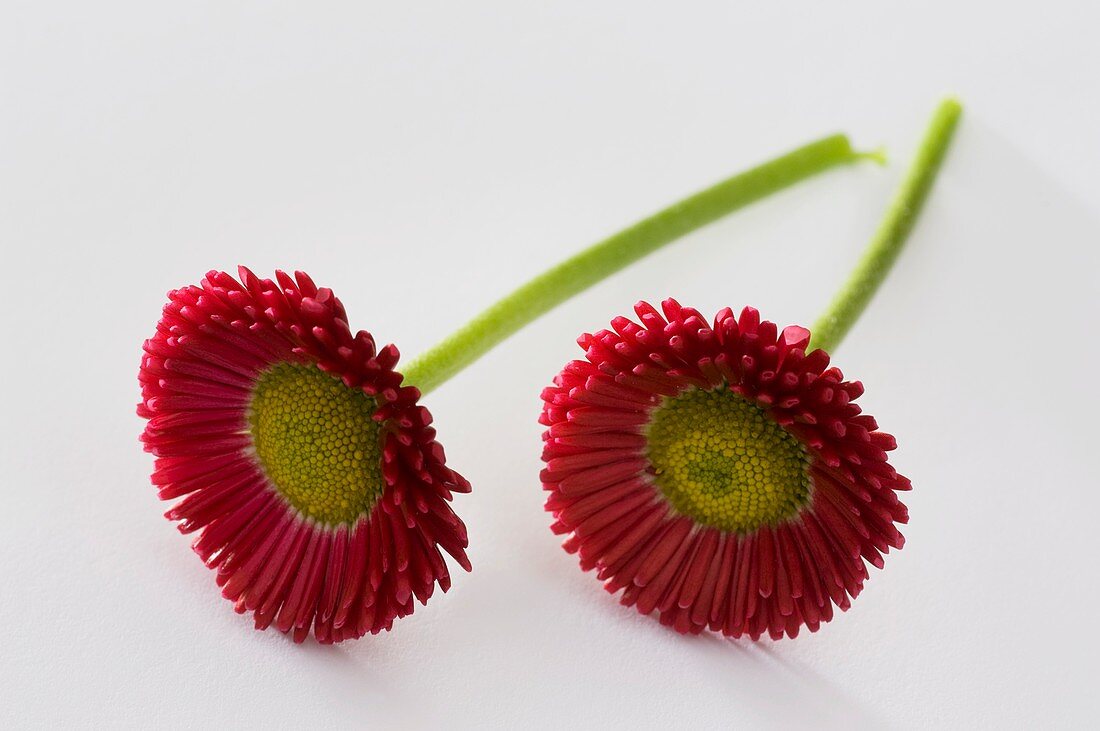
(311, 475)
(718, 474)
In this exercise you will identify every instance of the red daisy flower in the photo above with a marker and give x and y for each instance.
(718, 475)
(311, 474)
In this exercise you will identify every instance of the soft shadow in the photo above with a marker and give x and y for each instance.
(354, 675)
(780, 688)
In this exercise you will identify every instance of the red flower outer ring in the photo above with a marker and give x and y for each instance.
(197, 375)
(772, 580)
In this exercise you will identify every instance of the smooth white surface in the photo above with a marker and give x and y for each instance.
(421, 161)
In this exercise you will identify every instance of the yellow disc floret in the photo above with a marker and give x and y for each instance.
(720, 460)
(316, 442)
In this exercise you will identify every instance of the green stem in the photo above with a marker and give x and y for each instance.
(852, 299)
(576, 274)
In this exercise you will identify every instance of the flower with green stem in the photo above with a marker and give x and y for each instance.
(719, 473)
(301, 457)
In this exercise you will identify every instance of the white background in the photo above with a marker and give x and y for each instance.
(422, 161)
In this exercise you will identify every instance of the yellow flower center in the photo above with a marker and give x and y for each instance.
(316, 442)
(720, 460)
